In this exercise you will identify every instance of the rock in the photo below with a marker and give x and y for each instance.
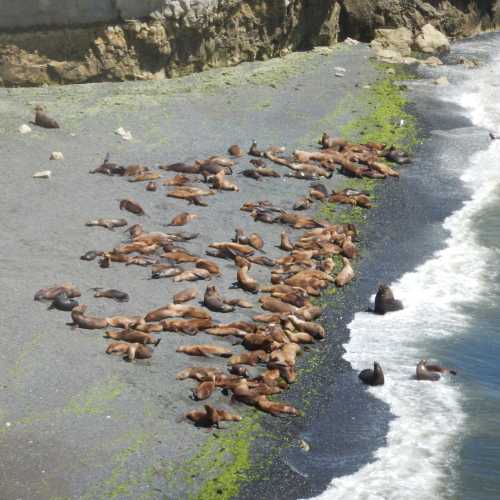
(398, 40)
(24, 129)
(391, 71)
(442, 81)
(389, 56)
(44, 174)
(339, 69)
(126, 135)
(57, 155)
(431, 41)
(351, 41)
(468, 63)
(432, 61)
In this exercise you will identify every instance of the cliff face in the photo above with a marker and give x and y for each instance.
(183, 36)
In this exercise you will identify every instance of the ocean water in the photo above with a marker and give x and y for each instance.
(444, 441)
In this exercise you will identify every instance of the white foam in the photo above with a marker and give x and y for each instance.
(417, 460)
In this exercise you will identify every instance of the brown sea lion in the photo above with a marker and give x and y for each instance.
(266, 172)
(187, 326)
(182, 219)
(285, 242)
(177, 311)
(193, 275)
(426, 371)
(111, 293)
(151, 186)
(235, 150)
(239, 249)
(133, 336)
(81, 320)
(372, 377)
(302, 203)
(166, 272)
(349, 249)
(245, 304)
(131, 206)
(199, 373)
(205, 350)
(274, 408)
(131, 351)
(213, 301)
(244, 280)
(50, 293)
(185, 295)
(226, 331)
(219, 181)
(208, 265)
(261, 260)
(204, 390)
(314, 329)
(42, 119)
(210, 416)
(249, 358)
(125, 321)
(346, 275)
(385, 301)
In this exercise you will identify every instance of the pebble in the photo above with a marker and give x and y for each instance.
(126, 135)
(24, 129)
(57, 155)
(304, 445)
(43, 174)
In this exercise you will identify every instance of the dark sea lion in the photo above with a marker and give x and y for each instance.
(107, 223)
(63, 303)
(50, 293)
(43, 120)
(182, 219)
(131, 206)
(185, 295)
(111, 293)
(251, 174)
(372, 377)
(425, 371)
(267, 172)
(385, 301)
(213, 301)
(108, 168)
(182, 168)
(255, 151)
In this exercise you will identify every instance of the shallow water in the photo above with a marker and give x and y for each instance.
(444, 441)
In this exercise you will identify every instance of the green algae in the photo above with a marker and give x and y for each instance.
(95, 400)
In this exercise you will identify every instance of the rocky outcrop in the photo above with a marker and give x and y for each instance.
(183, 36)
(431, 41)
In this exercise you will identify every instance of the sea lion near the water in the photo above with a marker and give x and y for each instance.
(185, 295)
(63, 303)
(107, 223)
(205, 350)
(385, 301)
(210, 417)
(346, 275)
(204, 389)
(151, 186)
(50, 293)
(235, 150)
(314, 329)
(131, 206)
(131, 351)
(182, 219)
(273, 408)
(133, 336)
(43, 120)
(81, 320)
(425, 371)
(111, 293)
(349, 249)
(213, 301)
(372, 377)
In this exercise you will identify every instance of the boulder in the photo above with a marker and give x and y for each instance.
(431, 41)
(396, 40)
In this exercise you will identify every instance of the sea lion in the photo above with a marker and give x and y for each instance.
(111, 293)
(166, 272)
(131, 351)
(349, 249)
(267, 172)
(210, 416)
(81, 320)
(245, 304)
(187, 326)
(50, 293)
(346, 275)
(178, 180)
(90, 255)
(131, 206)
(314, 329)
(193, 275)
(385, 301)
(151, 186)
(177, 311)
(274, 408)
(372, 377)
(425, 371)
(237, 248)
(285, 242)
(133, 336)
(213, 301)
(182, 168)
(235, 150)
(244, 280)
(125, 322)
(254, 150)
(302, 203)
(219, 181)
(107, 223)
(205, 350)
(208, 265)
(204, 390)
(251, 174)
(249, 358)
(63, 303)
(182, 219)
(199, 373)
(185, 295)
(261, 260)
(42, 119)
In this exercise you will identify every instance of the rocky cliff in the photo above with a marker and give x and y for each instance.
(182, 36)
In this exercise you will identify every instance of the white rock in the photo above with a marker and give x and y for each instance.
(24, 129)
(43, 174)
(431, 41)
(351, 41)
(340, 69)
(398, 40)
(432, 61)
(442, 80)
(57, 155)
(126, 135)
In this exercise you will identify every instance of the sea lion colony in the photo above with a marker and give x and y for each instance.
(311, 261)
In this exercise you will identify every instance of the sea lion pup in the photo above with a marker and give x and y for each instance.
(51, 292)
(249, 358)
(235, 150)
(199, 373)
(285, 243)
(131, 351)
(81, 320)
(204, 390)
(151, 186)
(193, 275)
(131, 206)
(42, 119)
(385, 301)
(243, 278)
(111, 293)
(205, 350)
(107, 223)
(63, 303)
(346, 275)
(187, 326)
(219, 181)
(182, 219)
(213, 301)
(425, 371)
(133, 336)
(185, 295)
(181, 168)
(372, 377)
(274, 408)
(210, 417)
(177, 311)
